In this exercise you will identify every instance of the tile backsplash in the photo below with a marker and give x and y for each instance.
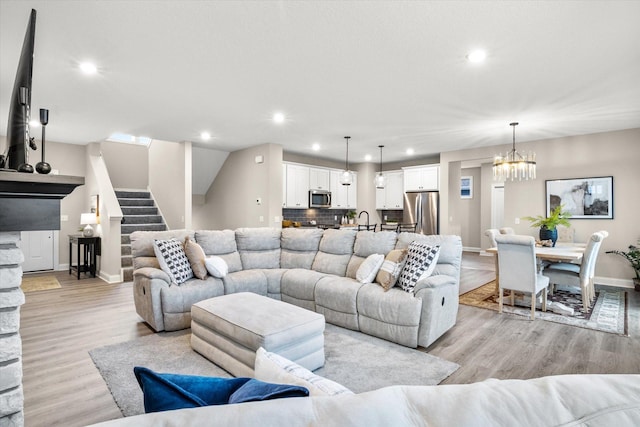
(329, 216)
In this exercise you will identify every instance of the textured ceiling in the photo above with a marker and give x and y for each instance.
(391, 73)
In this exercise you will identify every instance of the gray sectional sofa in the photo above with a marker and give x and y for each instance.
(310, 268)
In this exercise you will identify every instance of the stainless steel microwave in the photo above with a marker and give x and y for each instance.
(319, 199)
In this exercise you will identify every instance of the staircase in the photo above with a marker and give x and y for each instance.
(139, 213)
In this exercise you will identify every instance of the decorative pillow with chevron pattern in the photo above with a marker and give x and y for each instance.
(420, 257)
(173, 260)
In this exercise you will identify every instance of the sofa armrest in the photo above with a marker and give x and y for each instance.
(436, 281)
(152, 273)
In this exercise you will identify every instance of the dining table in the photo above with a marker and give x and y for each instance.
(562, 252)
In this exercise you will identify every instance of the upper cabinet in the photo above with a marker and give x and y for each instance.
(343, 196)
(297, 187)
(421, 178)
(319, 179)
(391, 197)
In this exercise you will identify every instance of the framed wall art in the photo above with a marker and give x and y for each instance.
(466, 187)
(584, 198)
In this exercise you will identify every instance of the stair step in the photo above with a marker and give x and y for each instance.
(135, 202)
(126, 261)
(139, 210)
(125, 239)
(130, 228)
(142, 219)
(127, 274)
(125, 250)
(121, 194)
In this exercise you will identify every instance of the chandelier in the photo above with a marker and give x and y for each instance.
(514, 165)
(380, 181)
(346, 178)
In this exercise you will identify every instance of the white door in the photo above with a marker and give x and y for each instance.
(37, 247)
(497, 206)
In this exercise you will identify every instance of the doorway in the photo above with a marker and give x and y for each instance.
(497, 205)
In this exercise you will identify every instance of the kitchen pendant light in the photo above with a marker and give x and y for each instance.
(514, 165)
(346, 178)
(380, 181)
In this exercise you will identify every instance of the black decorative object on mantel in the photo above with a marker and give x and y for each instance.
(42, 166)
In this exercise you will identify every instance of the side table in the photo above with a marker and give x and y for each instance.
(89, 247)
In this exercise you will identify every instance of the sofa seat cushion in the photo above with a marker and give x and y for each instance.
(300, 283)
(259, 247)
(221, 243)
(393, 315)
(299, 247)
(179, 299)
(336, 300)
(246, 281)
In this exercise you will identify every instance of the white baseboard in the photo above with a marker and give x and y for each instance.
(62, 267)
(110, 278)
(470, 249)
(485, 253)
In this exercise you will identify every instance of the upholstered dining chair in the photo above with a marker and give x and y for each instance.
(491, 233)
(578, 275)
(519, 271)
(507, 230)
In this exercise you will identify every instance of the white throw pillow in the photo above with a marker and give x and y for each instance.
(429, 271)
(216, 266)
(369, 268)
(273, 368)
(173, 260)
(419, 259)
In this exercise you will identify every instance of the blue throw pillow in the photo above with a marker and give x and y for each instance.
(254, 390)
(165, 392)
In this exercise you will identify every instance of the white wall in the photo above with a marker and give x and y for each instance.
(128, 164)
(231, 199)
(602, 154)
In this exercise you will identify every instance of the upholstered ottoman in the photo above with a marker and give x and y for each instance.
(229, 329)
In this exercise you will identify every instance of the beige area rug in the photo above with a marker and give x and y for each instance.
(608, 314)
(39, 283)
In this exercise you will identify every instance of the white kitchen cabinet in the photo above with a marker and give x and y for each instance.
(421, 178)
(284, 185)
(391, 197)
(343, 196)
(319, 179)
(297, 188)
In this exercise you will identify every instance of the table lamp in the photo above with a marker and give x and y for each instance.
(88, 219)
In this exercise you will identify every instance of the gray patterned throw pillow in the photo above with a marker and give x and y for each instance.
(173, 260)
(419, 258)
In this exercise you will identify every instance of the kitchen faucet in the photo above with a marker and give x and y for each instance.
(361, 212)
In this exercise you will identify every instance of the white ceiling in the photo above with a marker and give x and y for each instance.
(384, 72)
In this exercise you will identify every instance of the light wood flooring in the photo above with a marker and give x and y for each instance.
(63, 388)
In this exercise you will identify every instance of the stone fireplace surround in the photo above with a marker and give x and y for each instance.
(27, 202)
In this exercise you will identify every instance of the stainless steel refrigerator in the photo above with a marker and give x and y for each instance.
(422, 209)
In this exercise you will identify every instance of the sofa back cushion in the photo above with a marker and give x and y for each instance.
(259, 247)
(299, 247)
(450, 255)
(368, 243)
(221, 243)
(334, 253)
(142, 252)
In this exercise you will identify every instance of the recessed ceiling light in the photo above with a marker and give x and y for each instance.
(410, 151)
(278, 118)
(476, 56)
(88, 68)
(315, 146)
(205, 136)
(367, 157)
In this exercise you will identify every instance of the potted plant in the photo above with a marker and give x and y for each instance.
(548, 224)
(633, 256)
(352, 216)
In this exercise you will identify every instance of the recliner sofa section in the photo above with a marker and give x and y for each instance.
(310, 268)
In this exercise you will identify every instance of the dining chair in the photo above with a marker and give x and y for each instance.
(578, 275)
(491, 233)
(507, 230)
(519, 271)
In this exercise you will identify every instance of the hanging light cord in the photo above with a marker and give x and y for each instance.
(380, 146)
(347, 157)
